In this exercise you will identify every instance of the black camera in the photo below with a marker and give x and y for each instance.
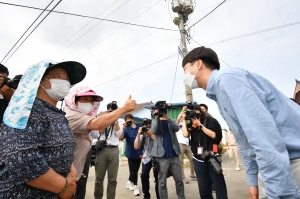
(162, 108)
(190, 112)
(210, 155)
(12, 83)
(144, 129)
(113, 106)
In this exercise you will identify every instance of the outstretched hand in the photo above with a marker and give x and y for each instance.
(130, 104)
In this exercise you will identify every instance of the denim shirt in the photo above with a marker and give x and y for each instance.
(158, 148)
(265, 124)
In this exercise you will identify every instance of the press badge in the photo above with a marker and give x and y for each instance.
(199, 150)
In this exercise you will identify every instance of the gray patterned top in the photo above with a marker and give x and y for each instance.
(46, 142)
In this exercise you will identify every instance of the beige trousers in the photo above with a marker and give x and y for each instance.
(235, 155)
(185, 149)
(295, 166)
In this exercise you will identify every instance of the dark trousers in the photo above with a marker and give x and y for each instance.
(146, 168)
(81, 185)
(134, 166)
(205, 177)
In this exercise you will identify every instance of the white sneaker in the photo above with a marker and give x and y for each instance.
(136, 190)
(237, 168)
(120, 164)
(130, 185)
(185, 180)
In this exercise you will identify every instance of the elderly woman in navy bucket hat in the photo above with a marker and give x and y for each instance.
(37, 146)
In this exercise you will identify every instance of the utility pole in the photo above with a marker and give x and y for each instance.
(183, 9)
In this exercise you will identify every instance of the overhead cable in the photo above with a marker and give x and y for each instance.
(208, 7)
(174, 78)
(33, 30)
(92, 28)
(26, 31)
(219, 57)
(136, 70)
(256, 32)
(115, 31)
(207, 14)
(81, 28)
(85, 16)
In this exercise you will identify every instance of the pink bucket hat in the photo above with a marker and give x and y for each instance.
(97, 98)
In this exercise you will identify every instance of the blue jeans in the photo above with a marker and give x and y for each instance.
(206, 176)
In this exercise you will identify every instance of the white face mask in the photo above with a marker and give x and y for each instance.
(85, 108)
(59, 88)
(190, 80)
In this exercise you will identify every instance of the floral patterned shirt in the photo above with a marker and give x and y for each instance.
(46, 142)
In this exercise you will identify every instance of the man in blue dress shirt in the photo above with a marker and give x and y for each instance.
(264, 122)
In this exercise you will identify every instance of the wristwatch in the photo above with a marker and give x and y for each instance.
(201, 125)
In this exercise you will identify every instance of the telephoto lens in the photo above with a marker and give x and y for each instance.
(215, 165)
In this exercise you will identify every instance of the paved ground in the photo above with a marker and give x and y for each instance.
(235, 180)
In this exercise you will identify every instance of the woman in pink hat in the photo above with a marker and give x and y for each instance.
(82, 104)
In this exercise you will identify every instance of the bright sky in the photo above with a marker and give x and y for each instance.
(149, 56)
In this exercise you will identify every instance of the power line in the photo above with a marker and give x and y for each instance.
(81, 28)
(219, 57)
(33, 30)
(174, 78)
(85, 16)
(135, 70)
(207, 14)
(92, 28)
(115, 31)
(127, 46)
(26, 30)
(254, 33)
(208, 7)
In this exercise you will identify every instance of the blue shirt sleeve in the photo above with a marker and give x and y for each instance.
(267, 152)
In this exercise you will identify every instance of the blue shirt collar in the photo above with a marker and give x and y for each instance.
(210, 88)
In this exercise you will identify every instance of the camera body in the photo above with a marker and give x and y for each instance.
(145, 128)
(190, 112)
(113, 106)
(210, 155)
(12, 83)
(162, 108)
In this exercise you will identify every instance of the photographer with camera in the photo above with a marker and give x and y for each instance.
(107, 159)
(133, 155)
(5, 91)
(166, 150)
(145, 140)
(204, 141)
(185, 149)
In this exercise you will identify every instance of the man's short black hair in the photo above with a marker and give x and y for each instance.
(3, 69)
(206, 107)
(207, 55)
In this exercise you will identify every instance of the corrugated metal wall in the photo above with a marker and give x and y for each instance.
(173, 113)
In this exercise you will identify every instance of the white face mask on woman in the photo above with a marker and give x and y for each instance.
(59, 88)
(85, 108)
(190, 80)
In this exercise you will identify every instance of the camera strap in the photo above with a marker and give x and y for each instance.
(106, 132)
(199, 139)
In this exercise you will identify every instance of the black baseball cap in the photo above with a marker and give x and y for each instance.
(75, 70)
